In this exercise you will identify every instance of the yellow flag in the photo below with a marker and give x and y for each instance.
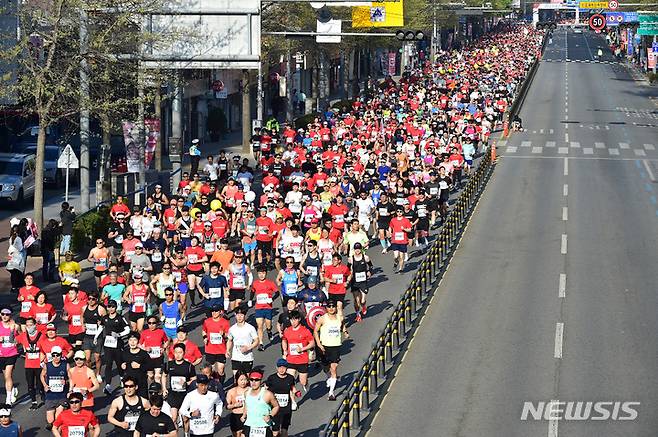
(379, 14)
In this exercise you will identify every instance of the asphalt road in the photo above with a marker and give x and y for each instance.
(315, 410)
(551, 293)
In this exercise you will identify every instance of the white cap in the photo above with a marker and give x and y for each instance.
(79, 354)
(195, 141)
(56, 349)
(5, 412)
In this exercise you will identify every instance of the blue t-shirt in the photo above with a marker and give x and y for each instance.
(215, 287)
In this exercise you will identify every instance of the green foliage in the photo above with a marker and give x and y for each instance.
(342, 103)
(87, 227)
(653, 77)
(302, 121)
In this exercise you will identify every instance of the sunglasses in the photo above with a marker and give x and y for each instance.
(78, 359)
(55, 354)
(129, 386)
(169, 294)
(155, 323)
(99, 242)
(254, 379)
(74, 401)
(3, 416)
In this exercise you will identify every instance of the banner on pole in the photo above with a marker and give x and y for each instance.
(379, 14)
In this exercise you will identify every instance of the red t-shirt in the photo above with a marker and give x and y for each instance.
(42, 315)
(74, 310)
(152, 342)
(398, 234)
(263, 292)
(338, 213)
(32, 353)
(216, 333)
(46, 345)
(192, 352)
(297, 338)
(264, 229)
(339, 274)
(28, 299)
(194, 254)
(71, 424)
(122, 208)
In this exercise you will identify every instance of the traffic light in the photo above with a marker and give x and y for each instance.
(410, 35)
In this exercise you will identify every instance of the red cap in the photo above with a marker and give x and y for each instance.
(256, 375)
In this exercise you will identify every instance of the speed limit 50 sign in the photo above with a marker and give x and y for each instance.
(597, 22)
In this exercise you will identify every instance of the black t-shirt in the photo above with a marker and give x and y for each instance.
(148, 424)
(141, 357)
(281, 387)
(184, 369)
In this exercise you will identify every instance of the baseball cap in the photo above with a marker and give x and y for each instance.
(155, 387)
(256, 374)
(358, 246)
(202, 379)
(80, 354)
(112, 303)
(5, 311)
(137, 275)
(281, 362)
(56, 350)
(216, 308)
(140, 245)
(51, 327)
(182, 329)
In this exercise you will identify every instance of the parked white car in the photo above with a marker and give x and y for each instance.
(17, 176)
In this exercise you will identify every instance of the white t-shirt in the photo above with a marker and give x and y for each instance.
(209, 405)
(211, 170)
(242, 336)
(366, 207)
(294, 201)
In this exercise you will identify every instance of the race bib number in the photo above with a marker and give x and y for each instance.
(77, 431)
(178, 276)
(192, 258)
(42, 318)
(282, 399)
(156, 257)
(238, 282)
(56, 385)
(295, 349)
(155, 352)
(209, 247)
(338, 278)
(76, 320)
(32, 355)
(215, 292)
(131, 419)
(178, 383)
(398, 236)
(26, 306)
(129, 255)
(360, 276)
(263, 299)
(340, 218)
(91, 328)
(257, 432)
(170, 323)
(312, 270)
(110, 342)
(216, 338)
(434, 191)
(291, 288)
(118, 239)
(333, 331)
(199, 422)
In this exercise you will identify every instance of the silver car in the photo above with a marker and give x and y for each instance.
(52, 174)
(17, 176)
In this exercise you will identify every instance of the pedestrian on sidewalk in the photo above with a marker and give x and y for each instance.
(195, 156)
(67, 216)
(17, 257)
(48, 243)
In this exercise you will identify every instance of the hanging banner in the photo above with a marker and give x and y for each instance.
(629, 42)
(651, 58)
(391, 63)
(152, 126)
(379, 14)
(130, 135)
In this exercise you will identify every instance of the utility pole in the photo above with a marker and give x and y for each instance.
(289, 96)
(246, 110)
(259, 98)
(141, 138)
(158, 116)
(84, 112)
(176, 140)
(434, 34)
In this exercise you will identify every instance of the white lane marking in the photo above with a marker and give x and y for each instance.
(639, 152)
(575, 144)
(566, 166)
(550, 143)
(565, 190)
(550, 131)
(613, 151)
(565, 213)
(649, 147)
(526, 143)
(607, 127)
(537, 149)
(541, 131)
(588, 151)
(599, 145)
(563, 244)
(511, 149)
(566, 136)
(624, 146)
(563, 150)
(598, 127)
(566, 117)
(649, 170)
(552, 423)
(534, 131)
(559, 336)
(501, 143)
(562, 287)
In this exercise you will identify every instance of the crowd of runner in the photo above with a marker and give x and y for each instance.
(289, 238)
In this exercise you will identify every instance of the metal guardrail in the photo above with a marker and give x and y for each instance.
(386, 352)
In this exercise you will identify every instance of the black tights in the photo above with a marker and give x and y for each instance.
(34, 383)
(17, 279)
(111, 355)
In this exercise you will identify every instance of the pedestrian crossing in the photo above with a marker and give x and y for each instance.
(617, 149)
(582, 61)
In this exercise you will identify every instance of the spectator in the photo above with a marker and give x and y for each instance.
(67, 216)
(17, 259)
(49, 237)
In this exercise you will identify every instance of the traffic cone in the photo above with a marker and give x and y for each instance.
(493, 152)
